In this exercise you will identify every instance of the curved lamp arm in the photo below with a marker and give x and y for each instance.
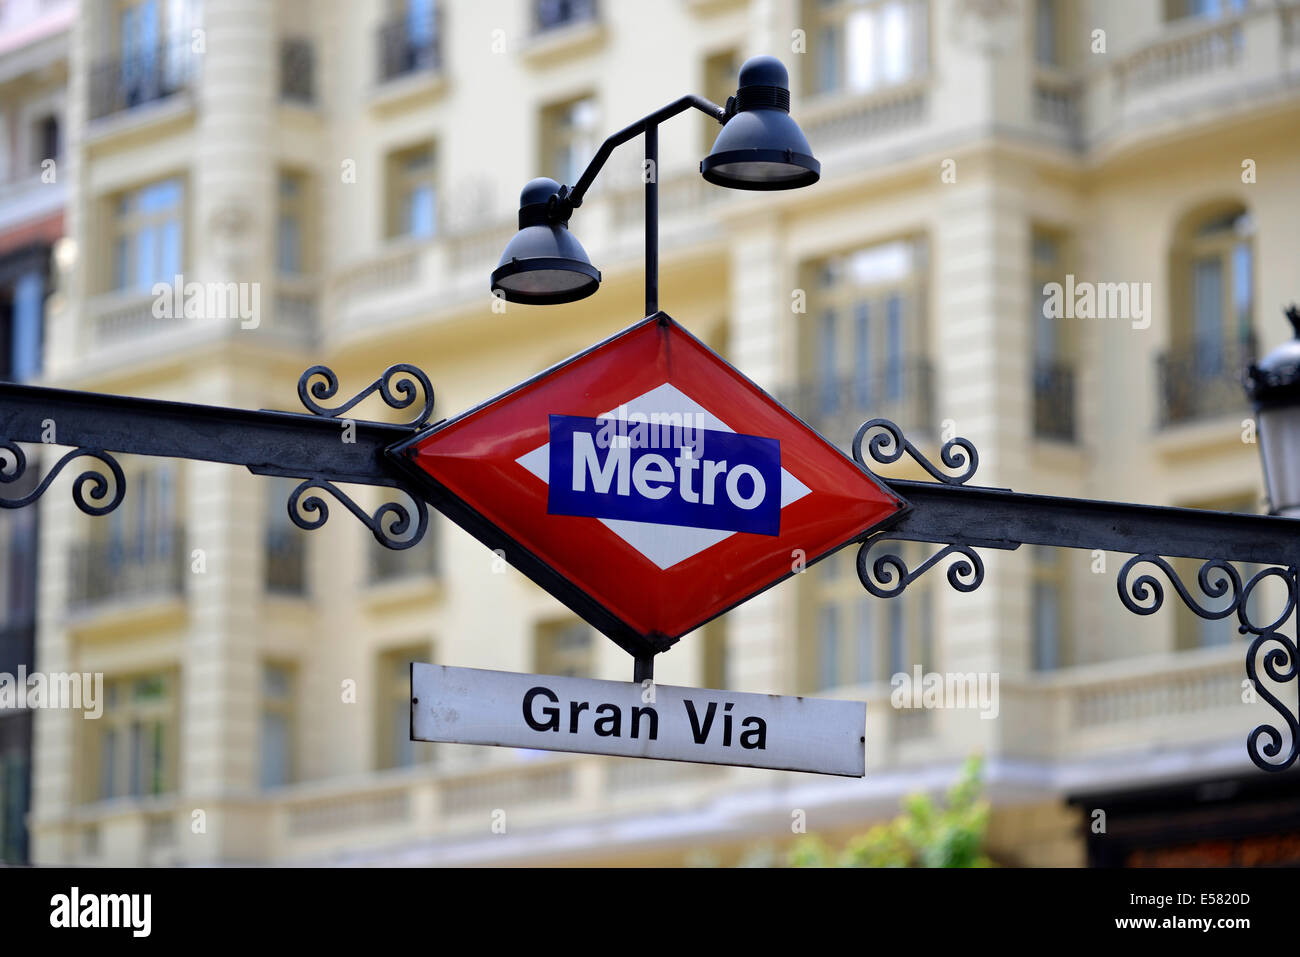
(579, 190)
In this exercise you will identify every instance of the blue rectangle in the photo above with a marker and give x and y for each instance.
(664, 474)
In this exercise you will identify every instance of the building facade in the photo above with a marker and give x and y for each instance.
(351, 171)
(33, 80)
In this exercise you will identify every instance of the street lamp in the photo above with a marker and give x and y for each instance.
(1273, 385)
(760, 147)
(544, 264)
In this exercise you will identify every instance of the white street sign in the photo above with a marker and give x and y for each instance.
(501, 708)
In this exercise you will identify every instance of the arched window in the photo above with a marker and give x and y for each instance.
(1212, 274)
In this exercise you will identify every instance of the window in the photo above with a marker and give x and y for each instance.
(1211, 316)
(147, 236)
(1047, 33)
(286, 544)
(865, 45)
(153, 46)
(47, 140)
(277, 729)
(569, 138)
(1050, 646)
(864, 333)
(393, 693)
(22, 326)
(1219, 270)
(408, 39)
(1053, 370)
(136, 552)
(133, 747)
(856, 639)
(552, 14)
(291, 225)
(15, 788)
(413, 203)
(565, 648)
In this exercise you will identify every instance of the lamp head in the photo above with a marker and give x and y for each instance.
(761, 146)
(544, 264)
(1273, 386)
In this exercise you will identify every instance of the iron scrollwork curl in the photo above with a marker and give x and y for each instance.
(391, 524)
(399, 387)
(889, 575)
(92, 491)
(1145, 595)
(1218, 579)
(1279, 666)
(888, 445)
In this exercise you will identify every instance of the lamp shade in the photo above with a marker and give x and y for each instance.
(760, 145)
(1273, 385)
(543, 264)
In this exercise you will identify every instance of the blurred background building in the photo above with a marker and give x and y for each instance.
(33, 191)
(360, 163)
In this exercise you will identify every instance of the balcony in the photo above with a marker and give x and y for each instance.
(902, 393)
(1054, 403)
(1163, 701)
(139, 570)
(1202, 381)
(297, 71)
(1197, 67)
(146, 76)
(405, 48)
(1208, 47)
(848, 120)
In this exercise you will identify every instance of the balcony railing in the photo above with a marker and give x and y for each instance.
(297, 70)
(1214, 47)
(406, 48)
(1202, 380)
(286, 562)
(850, 119)
(836, 407)
(555, 14)
(1058, 104)
(139, 569)
(1054, 404)
(144, 76)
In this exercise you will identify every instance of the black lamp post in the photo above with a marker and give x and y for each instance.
(1273, 385)
(760, 147)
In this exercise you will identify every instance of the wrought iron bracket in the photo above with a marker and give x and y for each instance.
(320, 447)
(962, 518)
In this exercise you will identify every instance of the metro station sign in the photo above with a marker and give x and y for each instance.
(647, 484)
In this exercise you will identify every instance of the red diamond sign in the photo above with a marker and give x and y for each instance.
(647, 484)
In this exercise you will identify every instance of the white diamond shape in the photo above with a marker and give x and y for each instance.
(665, 545)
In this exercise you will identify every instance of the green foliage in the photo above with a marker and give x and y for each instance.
(922, 836)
